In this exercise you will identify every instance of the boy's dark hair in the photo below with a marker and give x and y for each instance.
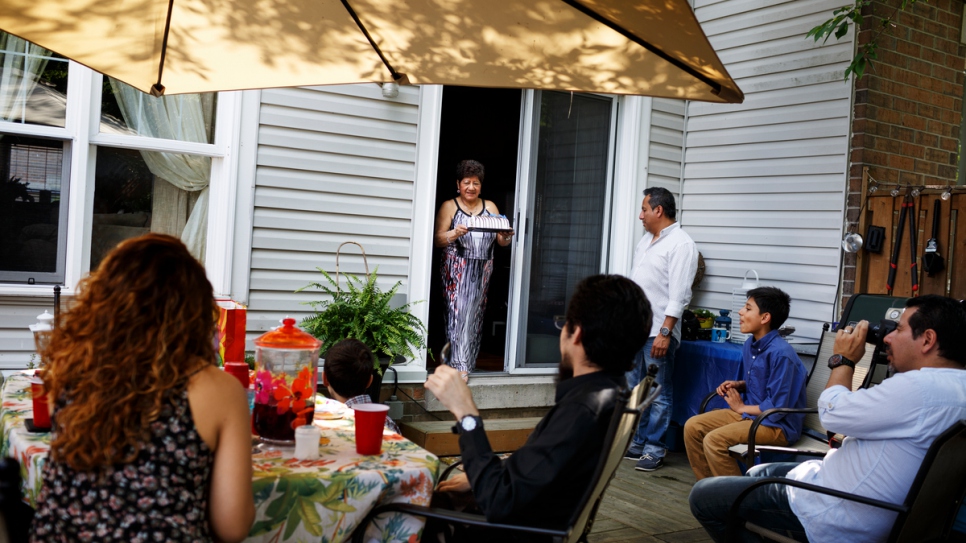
(615, 317)
(773, 301)
(946, 317)
(469, 168)
(348, 367)
(660, 196)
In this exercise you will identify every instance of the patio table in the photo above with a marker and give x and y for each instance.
(312, 500)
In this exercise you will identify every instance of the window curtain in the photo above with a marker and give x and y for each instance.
(21, 64)
(182, 118)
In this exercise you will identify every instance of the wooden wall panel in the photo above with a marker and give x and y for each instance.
(873, 269)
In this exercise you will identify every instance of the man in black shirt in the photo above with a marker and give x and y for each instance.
(607, 323)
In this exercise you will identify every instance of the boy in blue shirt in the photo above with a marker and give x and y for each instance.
(771, 376)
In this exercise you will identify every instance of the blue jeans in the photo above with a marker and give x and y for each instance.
(649, 438)
(767, 506)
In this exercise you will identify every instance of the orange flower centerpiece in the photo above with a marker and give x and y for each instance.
(286, 374)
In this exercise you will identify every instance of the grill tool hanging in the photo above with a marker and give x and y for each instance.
(907, 206)
(932, 261)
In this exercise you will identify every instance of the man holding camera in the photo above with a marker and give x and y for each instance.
(890, 427)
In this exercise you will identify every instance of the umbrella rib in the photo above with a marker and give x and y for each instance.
(715, 86)
(395, 75)
(158, 89)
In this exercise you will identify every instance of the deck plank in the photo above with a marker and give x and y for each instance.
(649, 507)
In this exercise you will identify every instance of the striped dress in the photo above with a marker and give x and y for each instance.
(466, 269)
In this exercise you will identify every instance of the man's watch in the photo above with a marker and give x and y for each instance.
(467, 424)
(837, 360)
(665, 332)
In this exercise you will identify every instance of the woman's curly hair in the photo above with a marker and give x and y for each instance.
(139, 325)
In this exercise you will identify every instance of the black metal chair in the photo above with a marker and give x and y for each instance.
(930, 507)
(627, 413)
(15, 515)
(814, 441)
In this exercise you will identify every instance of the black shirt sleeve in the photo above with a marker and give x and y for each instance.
(504, 488)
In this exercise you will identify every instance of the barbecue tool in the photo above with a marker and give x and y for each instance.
(932, 261)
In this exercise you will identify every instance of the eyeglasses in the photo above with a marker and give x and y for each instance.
(559, 321)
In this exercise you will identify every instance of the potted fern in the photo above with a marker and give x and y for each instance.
(362, 311)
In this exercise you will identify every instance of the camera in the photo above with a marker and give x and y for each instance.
(877, 332)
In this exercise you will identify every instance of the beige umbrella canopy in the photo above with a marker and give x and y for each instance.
(647, 47)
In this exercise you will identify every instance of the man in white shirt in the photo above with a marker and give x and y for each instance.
(890, 427)
(665, 262)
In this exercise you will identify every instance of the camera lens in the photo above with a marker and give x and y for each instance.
(878, 332)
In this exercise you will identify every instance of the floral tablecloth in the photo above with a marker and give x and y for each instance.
(30, 449)
(298, 501)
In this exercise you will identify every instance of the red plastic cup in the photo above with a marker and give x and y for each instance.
(370, 420)
(41, 411)
(240, 371)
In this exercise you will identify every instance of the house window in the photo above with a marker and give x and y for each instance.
(33, 83)
(131, 200)
(32, 209)
(136, 164)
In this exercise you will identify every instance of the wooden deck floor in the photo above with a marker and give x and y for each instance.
(649, 507)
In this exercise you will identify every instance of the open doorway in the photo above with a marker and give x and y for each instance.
(483, 125)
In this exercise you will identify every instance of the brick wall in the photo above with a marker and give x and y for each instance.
(908, 105)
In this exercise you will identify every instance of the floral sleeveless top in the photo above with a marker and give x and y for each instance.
(161, 496)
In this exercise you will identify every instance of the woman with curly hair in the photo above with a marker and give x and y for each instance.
(150, 440)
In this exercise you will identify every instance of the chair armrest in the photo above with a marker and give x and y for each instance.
(761, 418)
(358, 536)
(449, 469)
(704, 403)
(735, 522)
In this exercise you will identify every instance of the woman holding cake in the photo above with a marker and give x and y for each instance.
(464, 227)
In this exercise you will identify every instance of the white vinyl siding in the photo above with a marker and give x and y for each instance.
(764, 181)
(333, 164)
(16, 340)
(666, 141)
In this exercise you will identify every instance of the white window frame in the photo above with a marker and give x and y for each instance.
(81, 132)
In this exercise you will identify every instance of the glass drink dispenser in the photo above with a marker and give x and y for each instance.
(286, 374)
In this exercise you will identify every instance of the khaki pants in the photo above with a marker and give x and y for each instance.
(708, 436)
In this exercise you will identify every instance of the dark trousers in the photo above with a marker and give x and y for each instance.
(767, 506)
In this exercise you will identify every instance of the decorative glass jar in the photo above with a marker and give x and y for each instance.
(286, 374)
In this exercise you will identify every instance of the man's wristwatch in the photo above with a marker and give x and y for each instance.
(665, 332)
(467, 424)
(837, 360)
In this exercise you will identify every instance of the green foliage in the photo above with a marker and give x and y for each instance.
(838, 26)
(362, 312)
(702, 313)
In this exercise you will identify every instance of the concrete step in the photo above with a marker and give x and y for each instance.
(437, 437)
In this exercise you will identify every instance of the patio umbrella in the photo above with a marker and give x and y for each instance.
(648, 47)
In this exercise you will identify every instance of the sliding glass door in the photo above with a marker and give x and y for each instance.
(564, 189)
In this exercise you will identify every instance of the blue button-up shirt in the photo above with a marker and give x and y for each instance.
(774, 376)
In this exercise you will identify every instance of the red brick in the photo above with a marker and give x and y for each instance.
(929, 29)
(900, 162)
(933, 56)
(930, 112)
(902, 134)
(924, 166)
(904, 47)
(937, 155)
(913, 150)
(906, 178)
(888, 116)
(944, 73)
(927, 139)
(914, 122)
(887, 145)
(905, 106)
(948, 172)
(949, 144)
(927, 37)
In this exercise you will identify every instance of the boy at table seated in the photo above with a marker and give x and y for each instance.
(771, 375)
(347, 373)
